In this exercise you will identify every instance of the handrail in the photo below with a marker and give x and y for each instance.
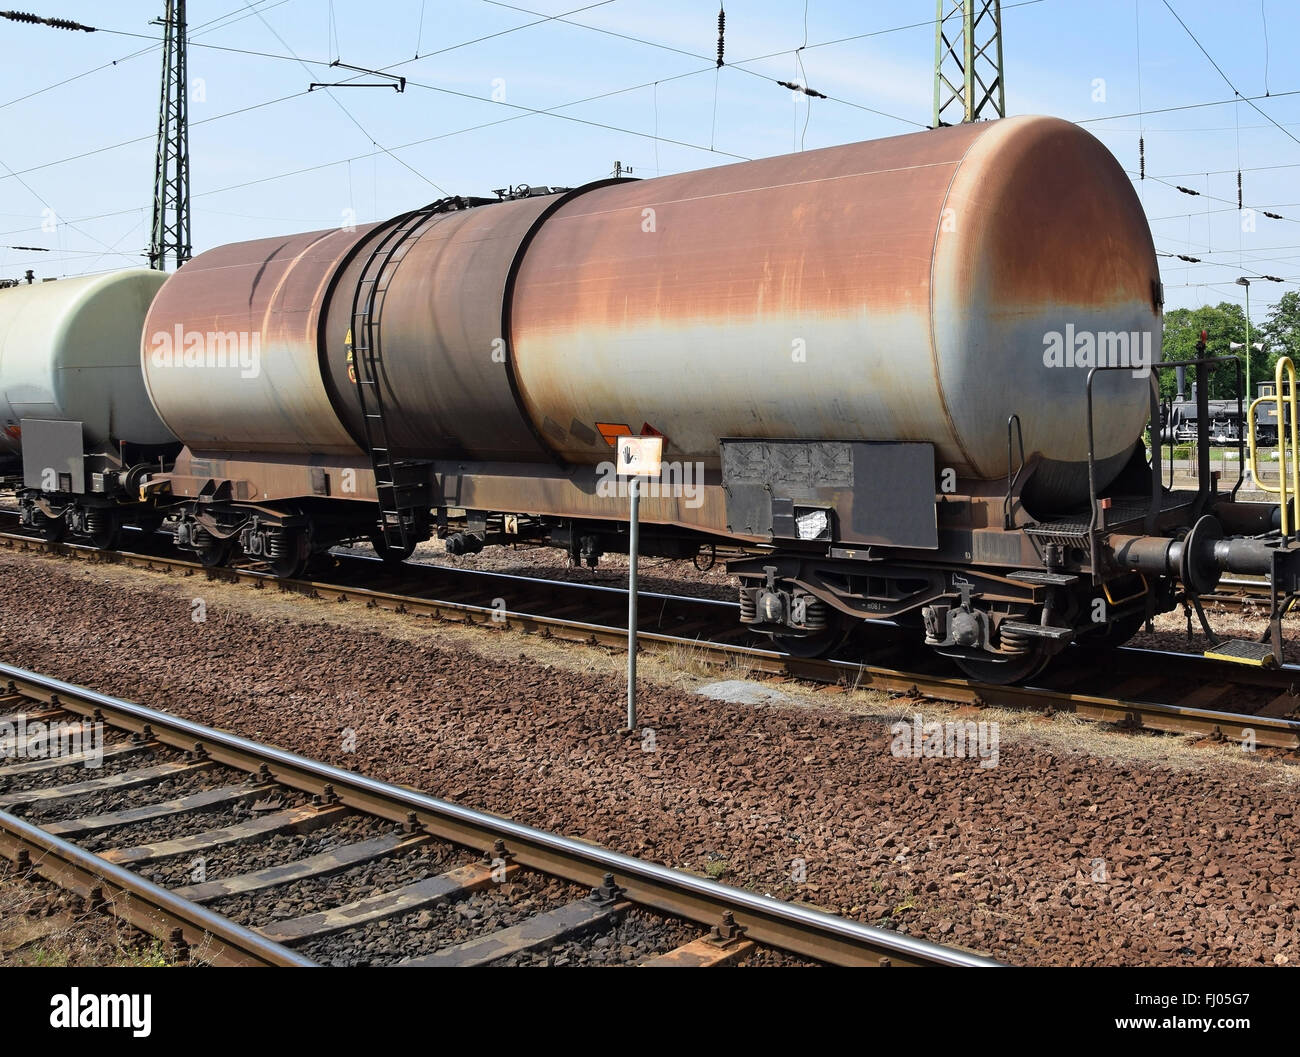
(1202, 365)
(1284, 400)
(1012, 478)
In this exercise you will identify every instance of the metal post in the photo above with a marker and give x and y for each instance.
(1249, 395)
(634, 491)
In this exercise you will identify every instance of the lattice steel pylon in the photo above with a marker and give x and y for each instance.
(170, 233)
(968, 82)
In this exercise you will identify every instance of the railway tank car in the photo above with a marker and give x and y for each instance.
(907, 378)
(75, 419)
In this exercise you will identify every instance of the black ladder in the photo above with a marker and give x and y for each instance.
(400, 485)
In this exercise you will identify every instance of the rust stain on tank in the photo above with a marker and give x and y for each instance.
(274, 289)
(799, 233)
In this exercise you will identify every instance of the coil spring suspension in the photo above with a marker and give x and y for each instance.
(277, 545)
(815, 613)
(1014, 641)
(748, 607)
(94, 521)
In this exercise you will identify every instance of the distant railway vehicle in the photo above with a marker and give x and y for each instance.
(908, 378)
(75, 420)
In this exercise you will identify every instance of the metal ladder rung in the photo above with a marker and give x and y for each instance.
(377, 275)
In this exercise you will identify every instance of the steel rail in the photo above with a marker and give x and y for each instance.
(793, 927)
(149, 907)
(1136, 713)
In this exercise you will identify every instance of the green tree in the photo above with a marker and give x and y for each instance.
(1223, 323)
(1280, 332)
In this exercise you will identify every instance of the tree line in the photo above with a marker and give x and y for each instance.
(1224, 323)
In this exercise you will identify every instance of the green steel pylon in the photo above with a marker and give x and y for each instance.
(170, 233)
(968, 82)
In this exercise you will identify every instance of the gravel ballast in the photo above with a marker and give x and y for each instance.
(1055, 855)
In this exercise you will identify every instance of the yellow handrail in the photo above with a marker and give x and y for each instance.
(1284, 400)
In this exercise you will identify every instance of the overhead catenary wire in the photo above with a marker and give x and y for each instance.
(259, 54)
(210, 26)
(1264, 18)
(1142, 143)
(541, 19)
(350, 116)
(741, 64)
(524, 112)
(803, 78)
(1226, 80)
(1187, 106)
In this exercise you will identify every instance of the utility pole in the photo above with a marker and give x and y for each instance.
(1246, 280)
(170, 233)
(968, 83)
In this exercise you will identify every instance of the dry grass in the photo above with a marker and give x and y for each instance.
(42, 926)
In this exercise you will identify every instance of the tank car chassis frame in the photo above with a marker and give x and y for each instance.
(993, 587)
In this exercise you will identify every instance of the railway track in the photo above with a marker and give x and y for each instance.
(1238, 593)
(242, 854)
(1135, 688)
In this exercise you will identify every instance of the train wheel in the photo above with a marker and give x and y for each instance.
(391, 555)
(107, 530)
(1003, 673)
(148, 526)
(1119, 632)
(291, 557)
(287, 566)
(818, 645)
(52, 529)
(213, 552)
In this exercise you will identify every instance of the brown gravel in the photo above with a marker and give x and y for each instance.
(665, 575)
(1077, 848)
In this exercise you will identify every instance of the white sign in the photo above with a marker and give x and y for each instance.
(640, 456)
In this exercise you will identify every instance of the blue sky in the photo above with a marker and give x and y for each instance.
(253, 121)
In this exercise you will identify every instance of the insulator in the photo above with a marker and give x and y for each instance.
(722, 30)
(1238, 188)
(1142, 158)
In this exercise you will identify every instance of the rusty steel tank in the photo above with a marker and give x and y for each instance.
(919, 288)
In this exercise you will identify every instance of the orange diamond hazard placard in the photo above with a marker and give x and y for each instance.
(611, 431)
